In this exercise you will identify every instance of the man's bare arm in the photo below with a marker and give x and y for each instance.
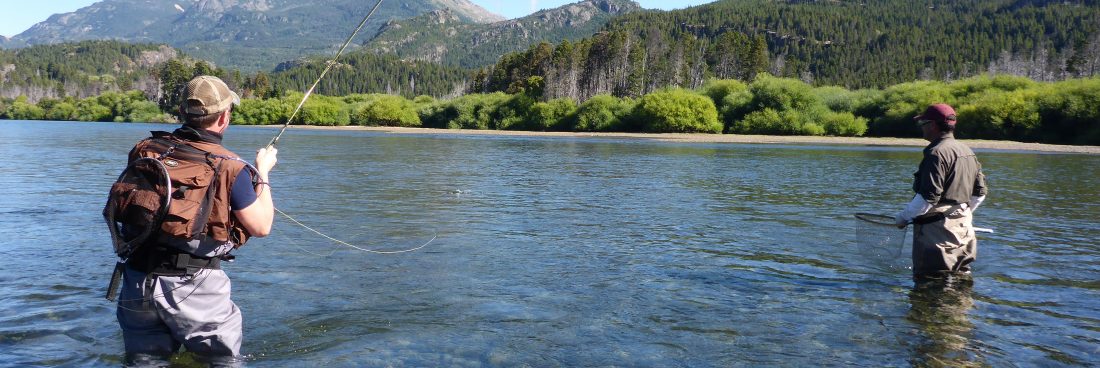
(258, 217)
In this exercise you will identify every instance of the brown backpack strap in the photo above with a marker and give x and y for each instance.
(198, 230)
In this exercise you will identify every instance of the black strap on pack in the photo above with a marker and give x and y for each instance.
(164, 261)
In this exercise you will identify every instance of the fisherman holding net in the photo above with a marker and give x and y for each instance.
(177, 211)
(949, 186)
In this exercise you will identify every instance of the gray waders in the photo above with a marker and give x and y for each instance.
(944, 241)
(160, 313)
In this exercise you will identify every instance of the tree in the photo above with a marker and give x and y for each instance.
(256, 111)
(387, 110)
(63, 111)
(23, 110)
(601, 113)
(173, 75)
(678, 111)
(756, 59)
(260, 86)
(550, 115)
(324, 110)
(203, 68)
(89, 109)
(635, 84)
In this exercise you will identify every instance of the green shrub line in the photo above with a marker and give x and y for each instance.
(989, 107)
(130, 106)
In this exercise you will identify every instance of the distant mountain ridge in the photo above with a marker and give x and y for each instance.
(443, 36)
(261, 33)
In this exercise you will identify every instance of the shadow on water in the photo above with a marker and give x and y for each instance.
(939, 309)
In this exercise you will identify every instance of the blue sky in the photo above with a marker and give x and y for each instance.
(18, 15)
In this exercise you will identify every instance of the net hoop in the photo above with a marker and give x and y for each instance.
(876, 219)
(880, 240)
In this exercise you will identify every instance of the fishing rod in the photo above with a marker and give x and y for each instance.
(328, 66)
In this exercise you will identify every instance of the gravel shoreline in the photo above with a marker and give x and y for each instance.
(733, 138)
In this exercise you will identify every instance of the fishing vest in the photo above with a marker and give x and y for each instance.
(198, 211)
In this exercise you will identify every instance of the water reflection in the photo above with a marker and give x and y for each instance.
(939, 308)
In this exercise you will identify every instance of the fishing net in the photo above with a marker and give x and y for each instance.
(878, 236)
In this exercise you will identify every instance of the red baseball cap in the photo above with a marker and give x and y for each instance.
(938, 112)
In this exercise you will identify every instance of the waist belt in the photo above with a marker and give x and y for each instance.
(940, 213)
(929, 218)
(165, 261)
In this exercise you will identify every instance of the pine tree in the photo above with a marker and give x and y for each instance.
(173, 75)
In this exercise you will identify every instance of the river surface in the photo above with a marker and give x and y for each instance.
(570, 252)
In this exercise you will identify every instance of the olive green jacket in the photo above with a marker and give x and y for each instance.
(949, 173)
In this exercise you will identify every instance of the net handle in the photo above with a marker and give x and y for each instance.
(885, 220)
(876, 219)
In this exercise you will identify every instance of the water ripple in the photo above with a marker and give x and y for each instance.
(571, 252)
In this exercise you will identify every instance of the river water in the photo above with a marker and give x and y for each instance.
(570, 252)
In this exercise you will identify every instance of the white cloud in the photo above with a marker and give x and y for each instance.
(534, 6)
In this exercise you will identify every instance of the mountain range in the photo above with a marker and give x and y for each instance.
(615, 45)
(445, 37)
(244, 34)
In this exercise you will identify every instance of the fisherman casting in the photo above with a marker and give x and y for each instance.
(949, 187)
(177, 211)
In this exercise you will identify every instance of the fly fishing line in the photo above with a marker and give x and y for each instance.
(328, 66)
(341, 242)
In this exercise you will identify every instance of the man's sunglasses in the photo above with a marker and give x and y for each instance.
(921, 123)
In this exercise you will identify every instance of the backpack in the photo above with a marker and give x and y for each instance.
(165, 191)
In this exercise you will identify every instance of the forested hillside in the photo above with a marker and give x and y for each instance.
(444, 37)
(81, 69)
(855, 44)
(90, 68)
(364, 72)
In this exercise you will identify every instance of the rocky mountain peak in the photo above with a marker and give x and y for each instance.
(469, 10)
(617, 6)
(249, 34)
(455, 41)
(442, 16)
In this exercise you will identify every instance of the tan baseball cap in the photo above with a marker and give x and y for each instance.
(206, 95)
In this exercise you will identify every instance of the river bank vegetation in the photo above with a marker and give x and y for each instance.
(1023, 71)
(998, 107)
